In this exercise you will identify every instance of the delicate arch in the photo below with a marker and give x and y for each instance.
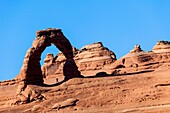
(31, 72)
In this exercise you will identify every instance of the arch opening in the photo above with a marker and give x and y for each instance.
(51, 49)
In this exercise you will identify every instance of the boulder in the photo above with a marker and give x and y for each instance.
(66, 103)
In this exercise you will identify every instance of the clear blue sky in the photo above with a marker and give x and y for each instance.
(119, 24)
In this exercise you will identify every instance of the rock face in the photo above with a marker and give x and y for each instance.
(47, 61)
(161, 46)
(150, 72)
(94, 57)
(136, 49)
(89, 58)
(137, 59)
(66, 103)
(31, 70)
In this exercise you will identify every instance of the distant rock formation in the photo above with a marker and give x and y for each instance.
(136, 49)
(94, 57)
(47, 61)
(140, 60)
(54, 65)
(89, 58)
(161, 46)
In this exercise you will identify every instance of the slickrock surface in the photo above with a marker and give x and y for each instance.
(138, 92)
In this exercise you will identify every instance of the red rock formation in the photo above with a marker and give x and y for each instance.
(94, 57)
(31, 73)
(161, 46)
(90, 58)
(136, 49)
(84, 95)
(31, 70)
(137, 59)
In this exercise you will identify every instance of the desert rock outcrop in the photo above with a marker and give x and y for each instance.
(101, 92)
(31, 69)
(137, 59)
(161, 46)
(136, 49)
(31, 73)
(91, 57)
(94, 57)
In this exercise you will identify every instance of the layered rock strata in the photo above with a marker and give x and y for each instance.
(140, 60)
(89, 58)
(161, 47)
(94, 57)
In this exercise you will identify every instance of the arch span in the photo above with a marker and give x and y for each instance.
(31, 72)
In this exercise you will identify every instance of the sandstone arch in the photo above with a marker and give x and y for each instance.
(31, 72)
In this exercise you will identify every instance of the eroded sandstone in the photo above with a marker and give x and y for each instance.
(91, 57)
(149, 83)
(139, 60)
(31, 72)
